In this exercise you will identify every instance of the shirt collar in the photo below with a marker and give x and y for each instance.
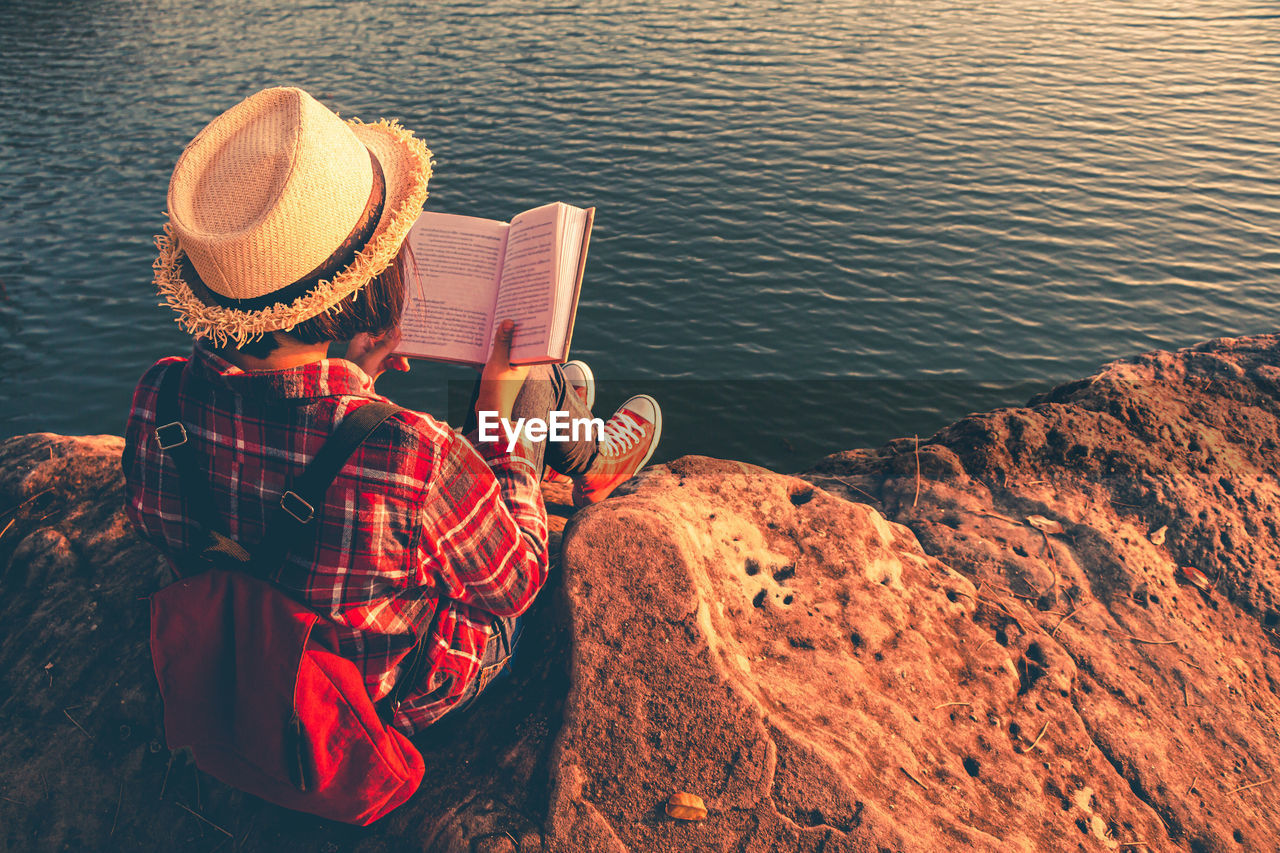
(325, 378)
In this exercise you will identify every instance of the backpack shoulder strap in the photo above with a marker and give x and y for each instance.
(299, 500)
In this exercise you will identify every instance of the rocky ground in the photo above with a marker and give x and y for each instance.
(881, 654)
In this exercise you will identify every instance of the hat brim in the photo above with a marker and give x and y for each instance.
(406, 168)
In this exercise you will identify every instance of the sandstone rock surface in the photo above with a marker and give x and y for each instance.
(1177, 689)
(881, 654)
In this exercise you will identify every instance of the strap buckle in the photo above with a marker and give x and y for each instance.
(292, 503)
(169, 436)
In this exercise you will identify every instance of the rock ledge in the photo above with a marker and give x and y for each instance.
(879, 654)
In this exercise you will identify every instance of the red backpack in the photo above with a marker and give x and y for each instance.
(251, 679)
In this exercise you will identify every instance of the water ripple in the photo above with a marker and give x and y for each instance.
(944, 200)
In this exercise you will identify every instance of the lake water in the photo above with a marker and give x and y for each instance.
(820, 224)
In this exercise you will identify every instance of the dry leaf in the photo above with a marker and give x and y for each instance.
(1157, 536)
(1048, 525)
(1196, 578)
(685, 806)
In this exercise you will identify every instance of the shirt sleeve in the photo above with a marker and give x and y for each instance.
(485, 527)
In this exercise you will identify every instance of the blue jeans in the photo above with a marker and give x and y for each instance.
(546, 391)
(504, 634)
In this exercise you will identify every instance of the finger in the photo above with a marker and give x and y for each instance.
(502, 342)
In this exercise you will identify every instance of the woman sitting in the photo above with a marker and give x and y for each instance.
(284, 233)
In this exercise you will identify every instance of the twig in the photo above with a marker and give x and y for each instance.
(203, 818)
(912, 778)
(247, 833)
(1250, 785)
(119, 801)
(1186, 700)
(1140, 639)
(1008, 612)
(1005, 518)
(1013, 616)
(77, 725)
(845, 482)
(12, 800)
(1064, 619)
(1192, 786)
(1193, 663)
(19, 506)
(916, 500)
(164, 784)
(7, 526)
(983, 643)
(1044, 729)
(1026, 597)
(949, 704)
(1054, 562)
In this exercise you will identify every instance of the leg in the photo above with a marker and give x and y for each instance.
(495, 661)
(543, 392)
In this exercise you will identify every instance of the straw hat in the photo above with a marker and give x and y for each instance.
(279, 210)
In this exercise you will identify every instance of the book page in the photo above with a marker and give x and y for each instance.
(527, 293)
(573, 234)
(448, 311)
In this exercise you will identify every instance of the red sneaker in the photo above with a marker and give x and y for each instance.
(583, 383)
(630, 437)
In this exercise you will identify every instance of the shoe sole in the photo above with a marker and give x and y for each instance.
(591, 380)
(657, 428)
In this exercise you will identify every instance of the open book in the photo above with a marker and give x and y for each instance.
(468, 274)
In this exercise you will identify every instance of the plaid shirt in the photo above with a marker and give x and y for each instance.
(422, 530)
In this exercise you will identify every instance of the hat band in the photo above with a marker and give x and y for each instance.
(341, 258)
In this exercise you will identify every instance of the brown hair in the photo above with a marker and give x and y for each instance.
(373, 309)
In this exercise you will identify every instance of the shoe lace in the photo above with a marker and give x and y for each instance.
(621, 433)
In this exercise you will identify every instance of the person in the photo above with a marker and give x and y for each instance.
(284, 236)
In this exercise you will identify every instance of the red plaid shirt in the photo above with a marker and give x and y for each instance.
(422, 530)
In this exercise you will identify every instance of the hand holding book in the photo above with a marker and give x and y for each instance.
(501, 380)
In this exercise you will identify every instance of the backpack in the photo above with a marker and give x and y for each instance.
(251, 679)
